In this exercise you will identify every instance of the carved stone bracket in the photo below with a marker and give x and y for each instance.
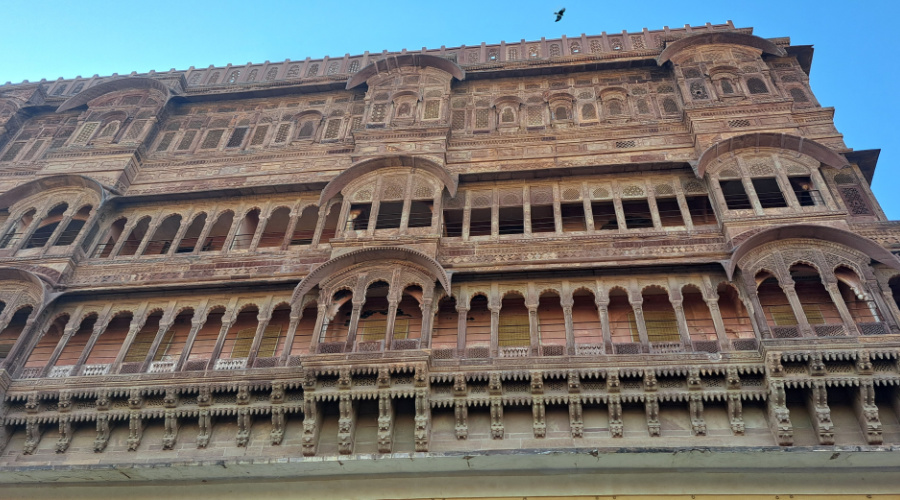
(244, 421)
(277, 433)
(385, 423)
(65, 435)
(204, 421)
(698, 423)
(422, 421)
(616, 427)
(103, 430)
(576, 417)
(538, 410)
(170, 435)
(135, 430)
(651, 406)
(736, 414)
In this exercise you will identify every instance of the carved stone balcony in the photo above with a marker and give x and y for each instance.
(231, 364)
(99, 369)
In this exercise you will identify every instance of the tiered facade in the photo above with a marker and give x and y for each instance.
(627, 245)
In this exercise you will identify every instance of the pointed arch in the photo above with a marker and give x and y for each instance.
(801, 145)
(136, 82)
(393, 62)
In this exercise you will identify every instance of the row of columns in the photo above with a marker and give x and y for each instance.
(160, 216)
(602, 304)
(787, 191)
(586, 196)
(35, 224)
(344, 220)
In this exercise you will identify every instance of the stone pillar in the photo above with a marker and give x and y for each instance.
(196, 325)
(822, 188)
(160, 334)
(788, 192)
(98, 330)
(526, 210)
(407, 204)
(427, 307)
(204, 233)
(797, 307)
(66, 219)
(463, 312)
(321, 317)
(260, 229)
(748, 284)
(320, 226)
(751, 194)
(391, 320)
(179, 235)
(289, 231)
(534, 329)
(884, 300)
(296, 316)
(588, 211)
(138, 320)
(637, 308)
(654, 210)
(716, 314)
(354, 323)
(838, 299)
(603, 312)
(685, 210)
(567, 304)
(68, 331)
(681, 323)
(620, 213)
(227, 321)
(437, 210)
(495, 330)
(123, 236)
(262, 319)
(557, 211)
(151, 231)
(232, 232)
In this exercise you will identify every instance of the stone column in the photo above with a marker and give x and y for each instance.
(495, 330)
(123, 237)
(467, 220)
(637, 308)
(712, 304)
(289, 231)
(588, 210)
(884, 302)
(68, 331)
(151, 231)
(797, 307)
(179, 235)
(526, 210)
(320, 226)
(260, 229)
(151, 353)
(685, 210)
(567, 304)
(534, 330)
(654, 210)
(785, 184)
(557, 211)
(98, 330)
(838, 299)
(620, 213)
(391, 320)
(233, 232)
(296, 316)
(407, 204)
(603, 312)
(463, 312)
(681, 322)
(66, 219)
(321, 317)
(138, 320)
(428, 311)
(758, 316)
(262, 322)
(204, 233)
(751, 194)
(354, 323)
(196, 325)
(227, 321)
(822, 188)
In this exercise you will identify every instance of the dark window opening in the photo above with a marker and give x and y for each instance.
(389, 214)
(669, 212)
(453, 223)
(768, 193)
(542, 219)
(41, 235)
(573, 217)
(358, 218)
(420, 213)
(512, 220)
(637, 214)
(735, 196)
(237, 137)
(757, 86)
(604, 215)
(701, 210)
(804, 191)
(480, 222)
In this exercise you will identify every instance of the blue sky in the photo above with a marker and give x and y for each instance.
(854, 68)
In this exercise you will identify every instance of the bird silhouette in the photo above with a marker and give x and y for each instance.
(559, 14)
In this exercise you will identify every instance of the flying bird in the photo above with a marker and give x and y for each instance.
(559, 14)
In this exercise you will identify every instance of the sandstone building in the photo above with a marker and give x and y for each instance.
(452, 272)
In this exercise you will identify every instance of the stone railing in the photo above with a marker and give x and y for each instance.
(161, 367)
(710, 346)
(874, 328)
(60, 371)
(231, 364)
(829, 330)
(99, 369)
(666, 347)
(589, 350)
(628, 348)
(514, 352)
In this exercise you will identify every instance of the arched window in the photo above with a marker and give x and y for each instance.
(274, 232)
(189, 240)
(47, 226)
(215, 241)
(73, 228)
(16, 326)
(561, 113)
(313, 70)
(205, 341)
(615, 107)
(588, 112)
(15, 233)
(756, 86)
(508, 115)
(307, 130)
(133, 242)
(336, 325)
(244, 235)
(514, 331)
(161, 241)
(669, 105)
(727, 88)
(115, 232)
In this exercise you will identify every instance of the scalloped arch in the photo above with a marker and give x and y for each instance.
(337, 184)
(730, 38)
(96, 91)
(390, 63)
(373, 254)
(807, 147)
(800, 231)
(44, 184)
